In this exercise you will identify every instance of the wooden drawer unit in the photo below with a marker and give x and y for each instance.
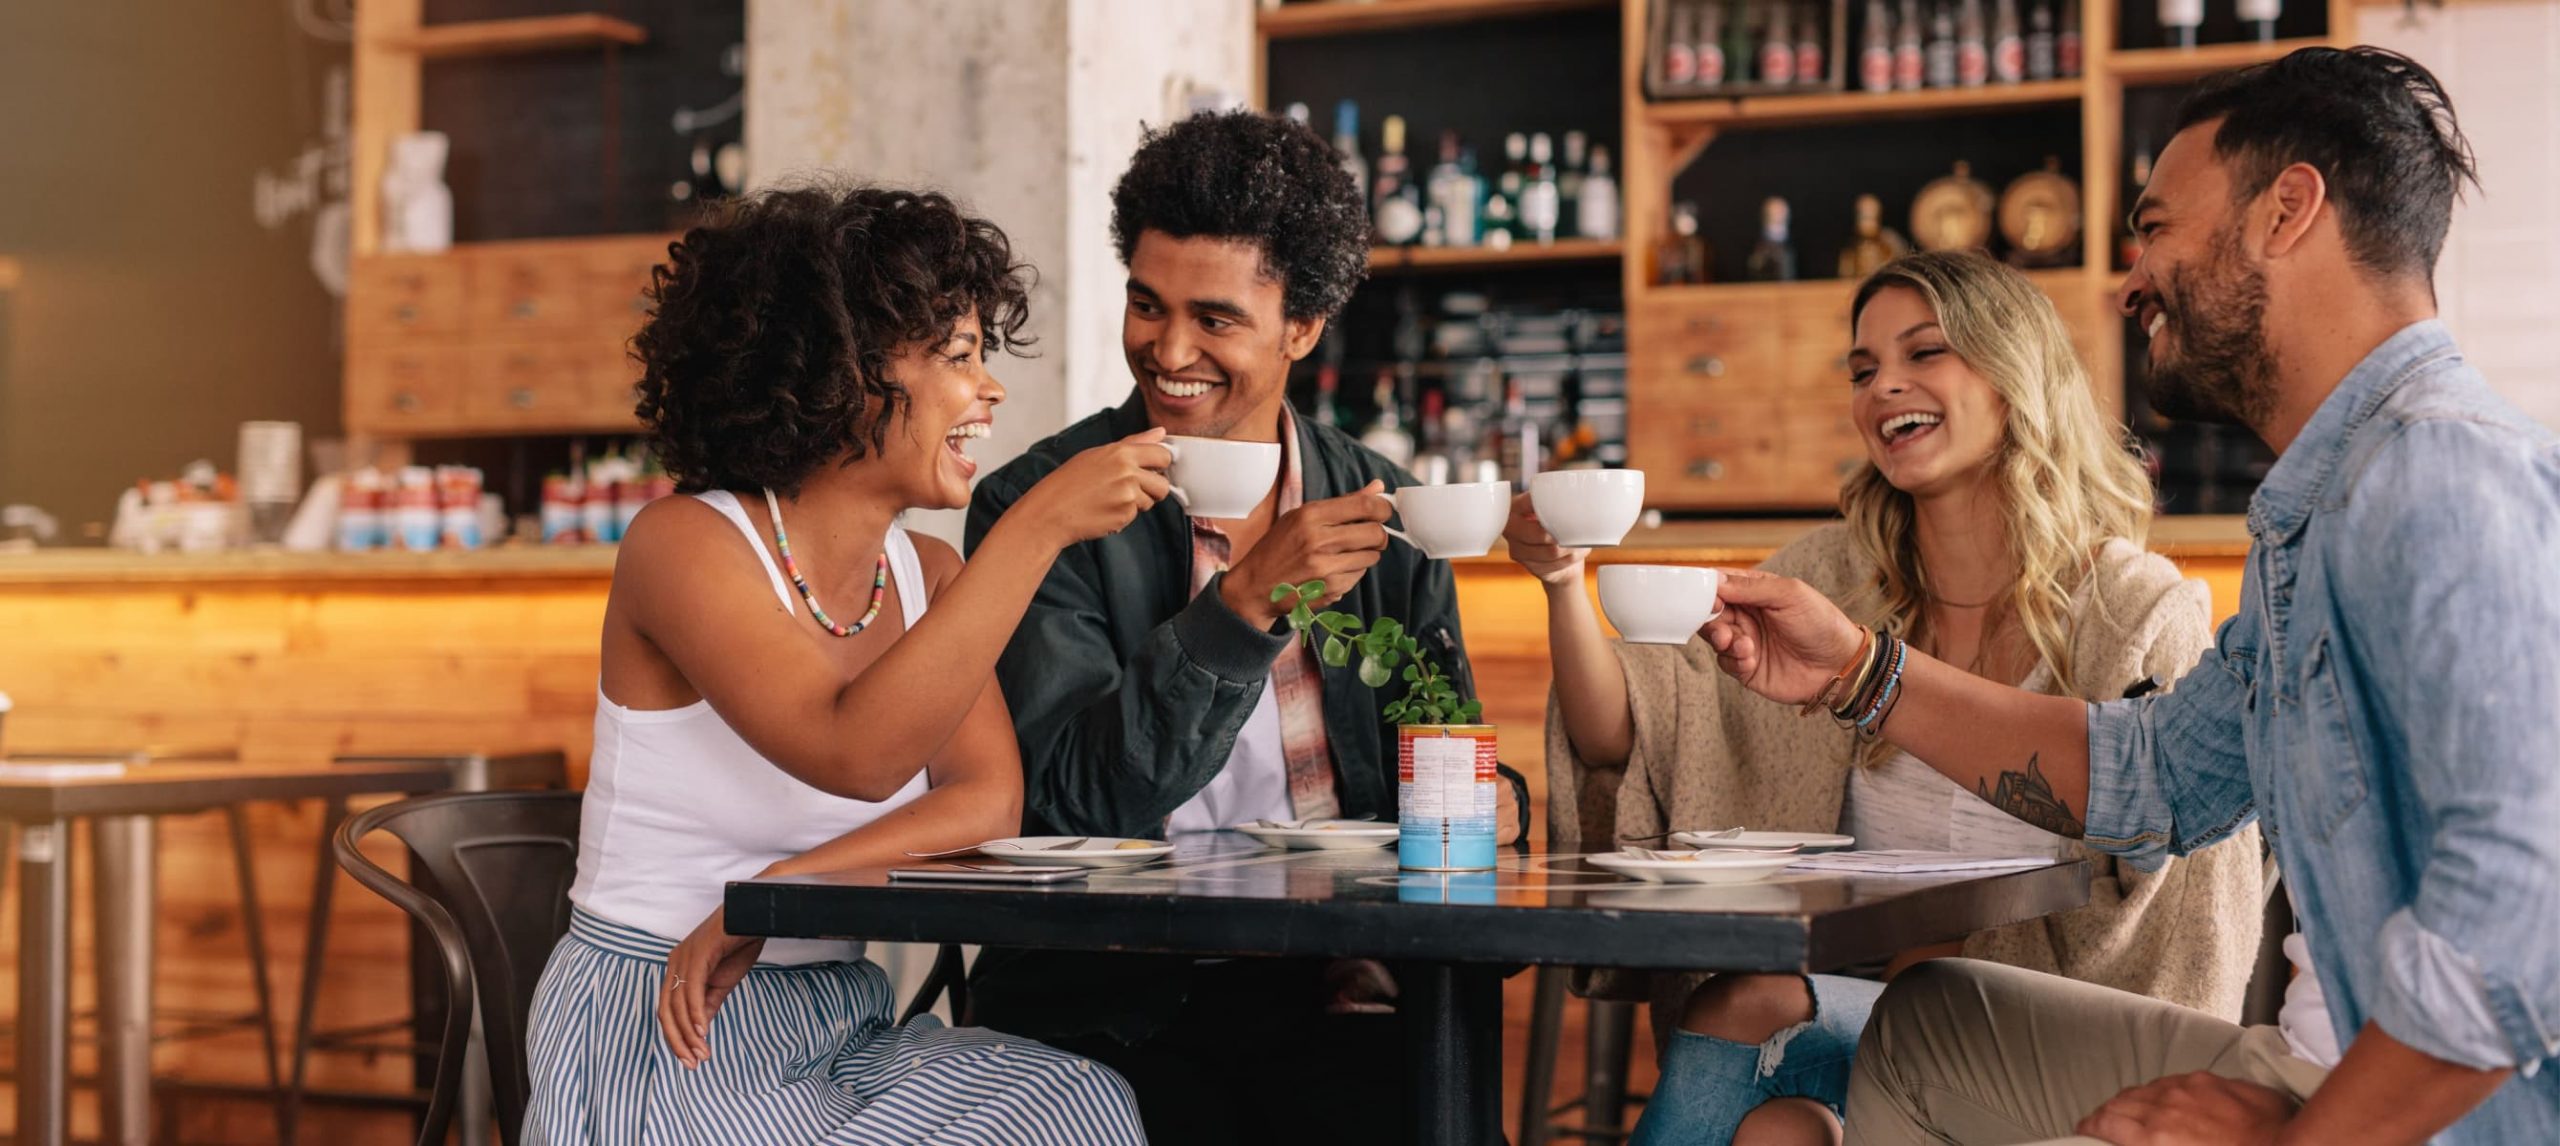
(613, 376)
(405, 295)
(616, 273)
(532, 385)
(1711, 453)
(398, 390)
(527, 286)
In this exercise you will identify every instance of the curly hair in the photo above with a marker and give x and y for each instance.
(1259, 179)
(768, 348)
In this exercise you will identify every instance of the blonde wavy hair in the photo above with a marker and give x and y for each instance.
(2066, 478)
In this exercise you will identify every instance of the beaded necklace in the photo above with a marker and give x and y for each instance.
(782, 544)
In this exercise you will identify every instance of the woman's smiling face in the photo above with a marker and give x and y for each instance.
(1929, 421)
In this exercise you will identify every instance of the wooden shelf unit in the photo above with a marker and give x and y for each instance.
(1397, 260)
(2143, 67)
(1350, 17)
(1816, 109)
(524, 34)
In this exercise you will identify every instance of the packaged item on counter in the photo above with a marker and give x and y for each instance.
(415, 525)
(458, 506)
(563, 522)
(362, 524)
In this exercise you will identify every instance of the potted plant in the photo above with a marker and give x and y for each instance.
(1445, 759)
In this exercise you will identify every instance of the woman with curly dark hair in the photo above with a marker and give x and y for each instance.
(816, 365)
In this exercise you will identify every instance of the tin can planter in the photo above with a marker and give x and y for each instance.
(1446, 797)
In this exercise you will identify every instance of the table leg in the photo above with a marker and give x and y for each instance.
(125, 891)
(44, 983)
(1453, 1036)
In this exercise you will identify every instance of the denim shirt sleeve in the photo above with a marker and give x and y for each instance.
(2449, 597)
(2167, 773)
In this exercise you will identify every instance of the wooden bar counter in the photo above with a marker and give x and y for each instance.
(290, 657)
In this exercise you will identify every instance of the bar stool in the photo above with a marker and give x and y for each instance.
(472, 772)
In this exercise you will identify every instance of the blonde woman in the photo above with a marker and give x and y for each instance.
(1998, 524)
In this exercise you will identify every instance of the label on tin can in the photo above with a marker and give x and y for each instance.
(1446, 802)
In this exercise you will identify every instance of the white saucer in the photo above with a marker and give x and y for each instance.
(1097, 851)
(1330, 835)
(1763, 841)
(1701, 867)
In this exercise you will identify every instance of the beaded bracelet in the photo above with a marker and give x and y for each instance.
(1872, 700)
(1869, 678)
(1871, 725)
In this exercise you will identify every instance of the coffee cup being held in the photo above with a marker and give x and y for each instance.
(1217, 478)
(1445, 521)
(1585, 509)
(1658, 604)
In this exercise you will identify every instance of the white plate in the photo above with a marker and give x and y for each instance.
(1331, 835)
(1702, 867)
(1096, 851)
(1763, 841)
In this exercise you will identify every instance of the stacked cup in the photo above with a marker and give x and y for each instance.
(1649, 604)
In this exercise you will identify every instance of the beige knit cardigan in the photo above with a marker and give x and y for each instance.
(1708, 754)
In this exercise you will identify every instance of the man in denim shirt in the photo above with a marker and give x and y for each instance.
(2388, 697)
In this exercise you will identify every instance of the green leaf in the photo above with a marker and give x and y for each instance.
(1471, 712)
(1337, 652)
(1301, 617)
(1390, 626)
(1338, 622)
(1311, 590)
(1281, 593)
(1394, 712)
(1372, 673)
(1413, 672)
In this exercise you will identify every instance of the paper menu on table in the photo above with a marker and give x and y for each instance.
(1903, 861)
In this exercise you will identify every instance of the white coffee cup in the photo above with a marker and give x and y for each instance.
(1586, 508)
(1658, 604)
(1214, 477)
(1446, 521)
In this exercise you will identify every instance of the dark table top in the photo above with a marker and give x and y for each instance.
(1223, 894)
(172, 787)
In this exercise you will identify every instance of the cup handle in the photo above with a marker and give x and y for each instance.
(1399, 535)
(1179, 498)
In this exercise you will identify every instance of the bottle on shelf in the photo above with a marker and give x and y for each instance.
(1942, 45)
(1569, 177)
(1346, 143)
(1973, 46)
(2008, 48)
(1739, 62)
(1515, 438)
(1875, 51)
(1810, 46)
(1714, 66)
(2179, 20)
(1454, 190)
(1680, 48)
(1777, 46)
(2260, 16)
(2040, 61)
(1873, 244)
(1328, 411)
(1541, 204)
(1910, 59)
(1386, 436)
(2066, 44)
(1395, 208)
(1682, 255)
(1298, 114)
(1596, 209)
(1501, 222)
(1773, 260)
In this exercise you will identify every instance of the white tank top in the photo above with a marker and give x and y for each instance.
(677, 804)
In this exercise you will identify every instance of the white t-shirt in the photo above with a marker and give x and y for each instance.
(2304, 1019)
(1255, 783)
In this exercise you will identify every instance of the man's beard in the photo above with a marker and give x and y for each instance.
(2219, 369)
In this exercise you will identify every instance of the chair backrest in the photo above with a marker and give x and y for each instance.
(490, 883)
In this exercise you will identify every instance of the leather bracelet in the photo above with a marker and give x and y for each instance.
(1863, 706)
(1861, 692)
(1827, 698)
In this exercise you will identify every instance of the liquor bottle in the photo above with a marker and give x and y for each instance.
(1501, 223)
(1680, 49)
(1328, 412)
(1772, 260)
(1875, 52)
(2066, 46)
(1396, 209)
(1682, 255)
(1346, 143)
(1569, 177)
(2040, 62)
(1387, 436)
(1973, 46)
(2008, 51)
(1298, 113)
(1873, 245)
(2261, 15)
(1596, 209)
(1810, 45)
(1453, 191)
(1910, 60)
(1541, 204)
(1738, 59)
(2179, 20)
(1515, 438)
(1942, 45)
(1777, 46)
(1714, 67)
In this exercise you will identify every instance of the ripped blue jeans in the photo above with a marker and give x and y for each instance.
(1708, 1084)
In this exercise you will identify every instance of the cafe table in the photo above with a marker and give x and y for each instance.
(1451, 937)
(122, 799)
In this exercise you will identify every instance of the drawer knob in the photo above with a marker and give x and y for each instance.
(1705, 423)
(521, 398)
(405, 402)
(523, 308)
(405, 313)
(1706, 469)
(1706, 322)
(1707, 365)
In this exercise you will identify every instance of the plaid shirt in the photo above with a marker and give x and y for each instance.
(1296, 686)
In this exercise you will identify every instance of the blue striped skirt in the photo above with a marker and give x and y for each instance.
(803, 1055)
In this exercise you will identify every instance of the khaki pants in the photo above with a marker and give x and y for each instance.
(1981, 1054)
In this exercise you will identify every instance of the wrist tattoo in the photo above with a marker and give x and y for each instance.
(2029, 796)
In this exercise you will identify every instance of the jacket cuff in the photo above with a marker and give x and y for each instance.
(1216, 639)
